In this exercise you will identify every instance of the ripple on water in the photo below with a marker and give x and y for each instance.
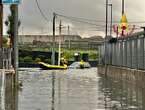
(76, 89)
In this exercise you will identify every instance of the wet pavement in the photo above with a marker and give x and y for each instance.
(76, 90)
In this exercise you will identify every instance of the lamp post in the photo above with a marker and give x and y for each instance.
(106, 33)
(53, 41)
(122, 7)
(106, 30)
(59, 50)
(110, 20)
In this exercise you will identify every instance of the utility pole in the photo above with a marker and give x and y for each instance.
(53, 40)
(111, 20)
(1, 33)
(59, 51)
(123, 10)
(1, 24)
(15, 53)
(15, 7)
(106, 33)
(123, 7)
(68, 32)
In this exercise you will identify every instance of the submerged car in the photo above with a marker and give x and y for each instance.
(79, 65)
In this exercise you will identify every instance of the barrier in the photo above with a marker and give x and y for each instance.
(126, 52)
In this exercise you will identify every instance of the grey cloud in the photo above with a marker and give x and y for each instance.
(32, 20)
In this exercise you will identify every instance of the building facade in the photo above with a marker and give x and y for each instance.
(30, 39)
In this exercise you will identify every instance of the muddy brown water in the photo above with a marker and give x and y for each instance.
(76, 89)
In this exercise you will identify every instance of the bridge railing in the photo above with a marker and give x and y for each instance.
(126, 52)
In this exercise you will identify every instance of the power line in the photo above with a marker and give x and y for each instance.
(41, 12)
(77, 20)
(85, 19)
(97, 21)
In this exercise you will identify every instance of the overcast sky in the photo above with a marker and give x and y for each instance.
(33, 22)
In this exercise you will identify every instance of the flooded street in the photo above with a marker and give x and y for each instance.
(76, 90)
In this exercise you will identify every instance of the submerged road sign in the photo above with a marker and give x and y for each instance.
(10, 1)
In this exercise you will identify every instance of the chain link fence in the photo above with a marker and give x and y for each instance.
(126, 52)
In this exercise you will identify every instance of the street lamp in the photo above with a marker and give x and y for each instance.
(105, 43)
(106, 20)
(122, 7)
(122, 14)
(111, 20)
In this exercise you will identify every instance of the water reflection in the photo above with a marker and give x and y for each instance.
(53, 91)
(76, 90)
(122, 96)
(11, 95)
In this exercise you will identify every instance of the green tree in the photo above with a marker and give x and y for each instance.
(10, 28)
(28, 59)
(10, 23)
(37, 60)
(4, 42)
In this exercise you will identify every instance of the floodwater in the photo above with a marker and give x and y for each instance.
(76, 89)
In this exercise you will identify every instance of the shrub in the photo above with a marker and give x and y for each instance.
(28, 59)
(92, 56)
(37, 60)
(68, 55)
(21, 59)
(41, 57)
(47, 61)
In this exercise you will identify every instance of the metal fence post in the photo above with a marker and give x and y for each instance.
(99, 54)
(111, 54)
(137, 53)
(143, 52)
(130, 52)
(1, 58)
(125, 55)
(118, 53)
(121, 50)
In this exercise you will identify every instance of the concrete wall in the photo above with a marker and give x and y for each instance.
(127, 75)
